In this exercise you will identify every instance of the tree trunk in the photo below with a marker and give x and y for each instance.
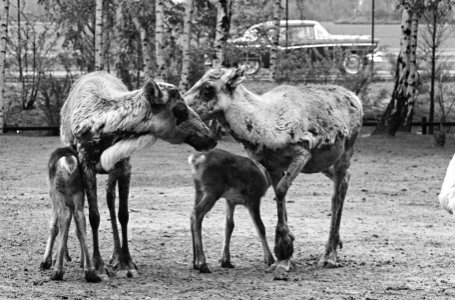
(99, 42)
(399, 111)
(275, 39)
(433, 72)
(223, 24)
(159, 41)
(4, 37)
(189, 9)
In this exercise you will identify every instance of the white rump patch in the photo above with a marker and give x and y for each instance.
(123, 149)
(447, 194)
(195, 161)
(68, 163)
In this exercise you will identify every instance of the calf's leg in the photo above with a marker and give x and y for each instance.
(226, 255)
(203, 204)
(254, 210)
(64, 221)
(46, 263)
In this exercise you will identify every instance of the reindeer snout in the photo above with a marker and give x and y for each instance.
(202, 143)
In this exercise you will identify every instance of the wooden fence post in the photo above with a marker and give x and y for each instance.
(424, 125)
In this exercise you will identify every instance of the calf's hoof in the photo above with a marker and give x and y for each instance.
(329, 261)
(281, 269)
(45, 265)
(57, 275)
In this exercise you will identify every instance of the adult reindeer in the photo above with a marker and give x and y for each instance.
(289, 130)
(107, 123)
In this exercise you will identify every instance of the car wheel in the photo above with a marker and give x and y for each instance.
(352, 64)
(251, 66)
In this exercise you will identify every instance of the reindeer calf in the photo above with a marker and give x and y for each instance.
(220, 174)
(67, 193)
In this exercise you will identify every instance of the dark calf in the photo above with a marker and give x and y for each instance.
(67, 193)
(220, 174)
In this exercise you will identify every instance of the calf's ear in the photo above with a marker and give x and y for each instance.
(152, 93)
(235, 77)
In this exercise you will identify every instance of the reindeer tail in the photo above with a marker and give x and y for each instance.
(447, 194)
(195, 160)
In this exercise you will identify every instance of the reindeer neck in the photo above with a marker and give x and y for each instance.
(248, 117)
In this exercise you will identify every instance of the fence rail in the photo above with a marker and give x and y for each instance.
(367, 123)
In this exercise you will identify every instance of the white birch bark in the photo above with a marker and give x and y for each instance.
(4, 36)
(159, 40)
(189, 9)
(223, 20)
(275, 39)
(99, 41)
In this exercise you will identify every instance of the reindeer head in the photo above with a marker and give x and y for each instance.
(212, 94)
(174, 121)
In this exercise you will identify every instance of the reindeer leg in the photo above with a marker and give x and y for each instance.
(203, 204)
(46, 263)
(89, 179)
(126, 267)
(283, 237)
(226, 255)
(64, 225)
(255, 214)
(79, 220)
(340, 176)
(110, 199)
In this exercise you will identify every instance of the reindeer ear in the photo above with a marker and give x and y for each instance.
(235, 78)
(152, 93)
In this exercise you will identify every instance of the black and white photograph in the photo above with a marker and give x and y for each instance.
(227, 149)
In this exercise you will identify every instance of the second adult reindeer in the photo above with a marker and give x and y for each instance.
(220, 174)
(107, 123)
(289, 130)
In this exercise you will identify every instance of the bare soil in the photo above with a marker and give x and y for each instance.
(398, 242)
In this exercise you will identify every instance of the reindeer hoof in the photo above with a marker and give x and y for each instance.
(91, 276)
(57, 275)
(269, 261)
(280, 273)
(202, 268)
(329, 261)
(226, 264)
(45, 265)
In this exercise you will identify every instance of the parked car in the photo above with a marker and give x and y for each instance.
(304, 38)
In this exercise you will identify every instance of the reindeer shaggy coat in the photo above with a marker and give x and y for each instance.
(107, 123)
(288, 130)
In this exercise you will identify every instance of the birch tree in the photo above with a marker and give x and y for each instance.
(142, 24)
(275, 39)
(189, 10)
(223, 24)
(159, 40)
(4, 37)
(399, 110)
(99, 41)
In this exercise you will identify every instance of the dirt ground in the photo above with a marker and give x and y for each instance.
(398, 242)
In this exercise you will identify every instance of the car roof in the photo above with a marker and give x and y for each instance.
(291, 23)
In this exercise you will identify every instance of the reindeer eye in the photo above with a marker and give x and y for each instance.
(208, 92)
(180, 113)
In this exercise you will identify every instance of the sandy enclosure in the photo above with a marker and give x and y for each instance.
(398, 242)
